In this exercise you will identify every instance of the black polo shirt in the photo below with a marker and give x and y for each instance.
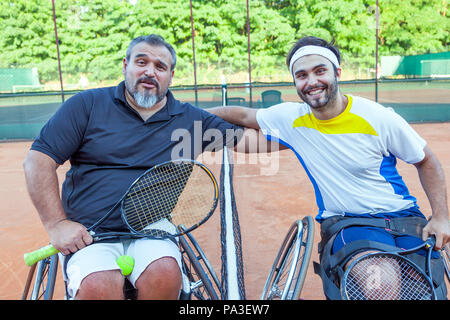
(109, 145)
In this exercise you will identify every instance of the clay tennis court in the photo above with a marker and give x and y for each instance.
(267, 206)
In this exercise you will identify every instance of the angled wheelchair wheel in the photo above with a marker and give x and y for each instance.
(446, 258)
(288, 273)
(41, 280)
(199, 277)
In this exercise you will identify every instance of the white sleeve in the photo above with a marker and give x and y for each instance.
(402, 140)
(275, 121)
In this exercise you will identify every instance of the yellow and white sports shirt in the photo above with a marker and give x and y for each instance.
(350, 159)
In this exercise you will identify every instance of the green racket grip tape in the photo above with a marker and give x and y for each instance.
(39, 254)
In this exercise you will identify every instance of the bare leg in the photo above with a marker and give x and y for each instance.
(104, 285)
(161, 280)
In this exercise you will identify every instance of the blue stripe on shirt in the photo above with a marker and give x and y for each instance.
(319, 199)
(390, 173)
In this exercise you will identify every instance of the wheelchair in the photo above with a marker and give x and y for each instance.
(200, 282)
(288, 272)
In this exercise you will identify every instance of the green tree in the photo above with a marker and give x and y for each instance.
(94, 34)
(27, 38)
(411, 27)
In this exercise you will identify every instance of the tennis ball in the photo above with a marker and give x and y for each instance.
(126, 264)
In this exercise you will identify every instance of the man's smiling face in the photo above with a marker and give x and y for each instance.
(315, 80)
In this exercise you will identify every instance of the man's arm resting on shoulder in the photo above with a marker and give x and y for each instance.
(253, 140)
(242, 116)
(42, 183)
(433, 182)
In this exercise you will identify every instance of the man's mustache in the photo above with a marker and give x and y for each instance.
(148, 80)
(310, 88)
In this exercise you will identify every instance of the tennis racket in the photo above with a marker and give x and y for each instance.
(179, 192)
(389, 276)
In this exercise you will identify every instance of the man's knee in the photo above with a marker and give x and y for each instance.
(160, 280)
(102, 285)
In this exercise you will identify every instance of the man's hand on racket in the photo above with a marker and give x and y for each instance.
(68, 236)
(440, 228)
(179, 192)
(432, 179)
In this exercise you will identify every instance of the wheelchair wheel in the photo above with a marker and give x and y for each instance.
(203, 283)
(288, 273)
(446, 259)
(44, 275)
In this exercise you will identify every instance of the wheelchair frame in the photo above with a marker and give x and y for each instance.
(197, 275)
(285, 280)
(288, 273)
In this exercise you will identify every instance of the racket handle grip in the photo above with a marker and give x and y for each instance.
(431, 241)
(39, 254)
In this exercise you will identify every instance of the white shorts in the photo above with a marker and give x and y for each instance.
(102, 257)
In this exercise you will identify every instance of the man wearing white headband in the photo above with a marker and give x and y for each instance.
(313, 50)
(316, 70)
(349, 148)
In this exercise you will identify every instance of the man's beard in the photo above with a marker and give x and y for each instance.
(143, 99)
(330, 95)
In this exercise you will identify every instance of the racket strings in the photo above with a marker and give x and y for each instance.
(153, 196)
(381, 277)
(177, 193)
(148, 204)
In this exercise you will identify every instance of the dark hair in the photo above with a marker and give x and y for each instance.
(153, 40)
(313, 41)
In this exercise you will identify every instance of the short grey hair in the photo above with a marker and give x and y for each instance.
(153, 40)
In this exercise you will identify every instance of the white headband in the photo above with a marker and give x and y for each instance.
(308, 50)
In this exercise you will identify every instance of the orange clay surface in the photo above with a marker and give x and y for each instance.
(267, 202)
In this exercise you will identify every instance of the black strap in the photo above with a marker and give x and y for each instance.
(399, 226)
(330, 289)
